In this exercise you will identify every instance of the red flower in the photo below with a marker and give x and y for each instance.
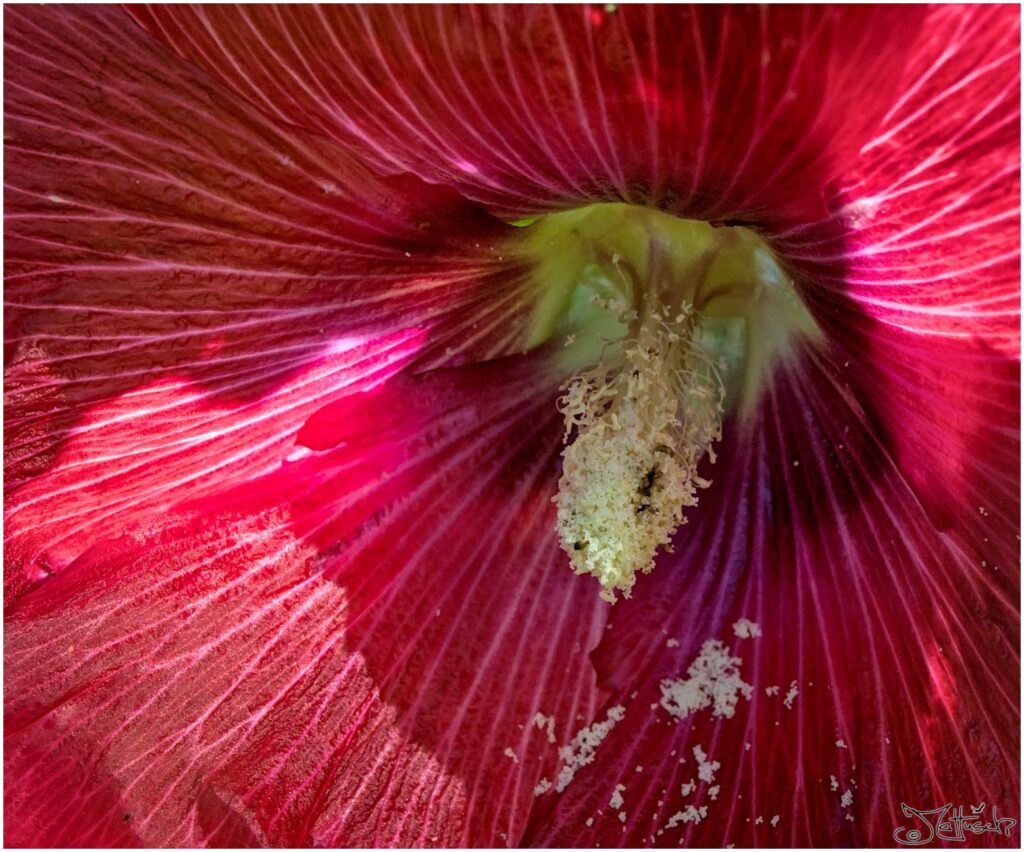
(281, 561)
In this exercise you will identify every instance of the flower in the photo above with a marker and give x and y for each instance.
(281, 436)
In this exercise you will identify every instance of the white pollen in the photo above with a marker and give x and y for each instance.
(672, 643)
(583, 748)
(841, 744)
(688, 814)
(546, 724)
(833, 782)
(846, 799)
(714, 681)
(511, 754)
(746, 629)
(774, 820)
(615, 802)
(640, 427)
(771, 690)
(542, 787)
(713, 792)
(706, 768)
(791, 695)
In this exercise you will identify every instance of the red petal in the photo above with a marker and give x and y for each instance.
(712, 112)
(923, 234)
(187, 283)
(906, 629)
(915, 277)
(901, 642)
(359, 663)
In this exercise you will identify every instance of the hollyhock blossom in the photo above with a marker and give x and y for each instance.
(295, 297)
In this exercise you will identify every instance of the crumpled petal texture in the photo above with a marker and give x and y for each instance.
(281, 564)
(324, 659)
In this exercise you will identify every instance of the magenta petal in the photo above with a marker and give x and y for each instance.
(317, 672)
(915, 275)
(187, 283)
(713, 112)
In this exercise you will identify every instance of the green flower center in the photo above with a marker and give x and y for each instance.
(667, 325)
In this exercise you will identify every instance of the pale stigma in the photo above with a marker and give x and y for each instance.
(642, 422)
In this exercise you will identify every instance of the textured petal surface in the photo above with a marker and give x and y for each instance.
(294, 595)
(328, 659)
(916, 274)
(319, 655)
(187, 283)
(724, 112)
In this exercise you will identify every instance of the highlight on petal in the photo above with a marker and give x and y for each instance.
(915, 276)
(328, 658)
(709, 112)
(268, 585)
(187, 282)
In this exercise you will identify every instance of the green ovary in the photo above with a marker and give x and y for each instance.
(666, 325)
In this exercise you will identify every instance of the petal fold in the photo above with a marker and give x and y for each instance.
(352, 652)
(187, 282)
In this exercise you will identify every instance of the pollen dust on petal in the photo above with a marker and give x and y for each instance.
(714, 681)
(581, 751)
(706, 769)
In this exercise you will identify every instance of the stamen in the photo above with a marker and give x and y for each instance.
(670, 322)
(643, 421)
